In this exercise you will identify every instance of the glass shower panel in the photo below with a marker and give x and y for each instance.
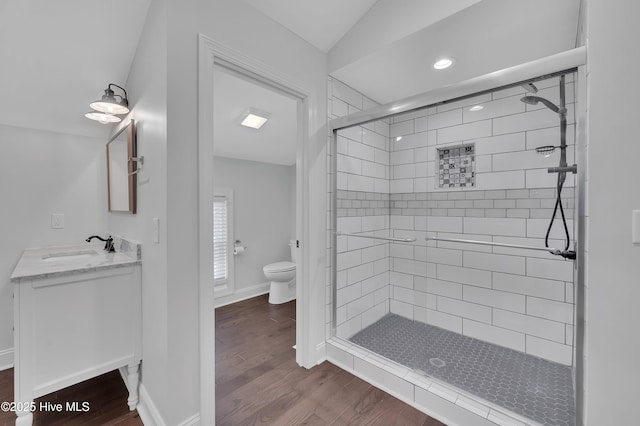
(362, 227)
(483, 316)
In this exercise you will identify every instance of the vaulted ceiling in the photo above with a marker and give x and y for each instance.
(58, 56)
(482, 37)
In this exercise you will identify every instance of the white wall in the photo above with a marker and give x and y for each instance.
(262, 214)
(613, 264)
(43, 173)
(243, 28)
(147, 87)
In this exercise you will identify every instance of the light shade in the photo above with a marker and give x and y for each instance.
(109, 104)
(254, 119)
(476, 108)
(102, 117)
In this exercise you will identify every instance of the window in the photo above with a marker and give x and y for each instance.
(220, 240)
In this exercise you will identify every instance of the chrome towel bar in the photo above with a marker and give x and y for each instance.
(397, 240)
(489, 243)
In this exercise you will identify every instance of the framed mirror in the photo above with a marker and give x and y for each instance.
(122, 170)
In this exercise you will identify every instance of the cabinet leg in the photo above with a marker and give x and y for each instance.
(25, 418)
(132, 384)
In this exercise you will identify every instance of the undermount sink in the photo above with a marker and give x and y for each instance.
(69, 255)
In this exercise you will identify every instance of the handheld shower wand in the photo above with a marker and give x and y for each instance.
(562, 168)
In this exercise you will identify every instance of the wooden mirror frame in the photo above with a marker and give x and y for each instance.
(132, 167)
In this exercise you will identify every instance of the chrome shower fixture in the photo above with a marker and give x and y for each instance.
(529, 87)
(534, 100)
(562, 169)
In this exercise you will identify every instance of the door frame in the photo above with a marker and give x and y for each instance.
(210, 55)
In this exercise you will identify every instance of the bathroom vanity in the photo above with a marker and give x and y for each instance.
(77, 314)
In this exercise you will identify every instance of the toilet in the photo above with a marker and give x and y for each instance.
(283, 278)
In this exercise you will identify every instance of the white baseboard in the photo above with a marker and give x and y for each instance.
(191, 421)
(147, 410)
(321, 353)
(150, 415)
(6, 359)
(243, 294)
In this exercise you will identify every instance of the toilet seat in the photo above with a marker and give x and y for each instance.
(280, 267)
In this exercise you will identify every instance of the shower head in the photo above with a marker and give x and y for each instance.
(546, 150)
(529, 87)
(533, 100)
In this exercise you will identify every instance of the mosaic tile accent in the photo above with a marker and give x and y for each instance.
(532, 387)
(457, 166)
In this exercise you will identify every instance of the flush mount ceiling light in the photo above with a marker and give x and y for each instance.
(254, 118)
(398, 139)
(109, 105)
(102, 117)
(443, 63)
(476, 108)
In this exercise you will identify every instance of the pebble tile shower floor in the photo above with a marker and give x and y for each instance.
(532, 387)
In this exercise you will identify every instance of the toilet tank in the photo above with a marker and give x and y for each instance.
(294, 250)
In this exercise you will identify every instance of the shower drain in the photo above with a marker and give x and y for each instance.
(437, 362)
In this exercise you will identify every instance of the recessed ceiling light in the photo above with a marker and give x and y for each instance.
(476, 108)
(443, 63)
(254, 118)
(398, 138)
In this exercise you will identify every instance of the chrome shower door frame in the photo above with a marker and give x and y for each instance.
(561, 63)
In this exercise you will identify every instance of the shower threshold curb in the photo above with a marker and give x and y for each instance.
(434, 397)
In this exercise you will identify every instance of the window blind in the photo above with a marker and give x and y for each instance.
(220, 239)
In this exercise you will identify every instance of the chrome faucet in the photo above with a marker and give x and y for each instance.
(108, 246)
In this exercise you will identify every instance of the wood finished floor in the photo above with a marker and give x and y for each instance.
(259, 382)
(106, 394)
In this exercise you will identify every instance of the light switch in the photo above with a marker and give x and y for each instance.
(156, 230)
(57, 221)
(635, 227)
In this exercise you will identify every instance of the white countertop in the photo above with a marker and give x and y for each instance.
(46, 262)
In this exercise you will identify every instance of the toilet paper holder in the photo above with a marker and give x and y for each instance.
(238, 249)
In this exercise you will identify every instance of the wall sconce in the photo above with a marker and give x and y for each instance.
(108, 106)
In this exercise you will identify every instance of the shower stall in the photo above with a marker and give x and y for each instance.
(453, 244)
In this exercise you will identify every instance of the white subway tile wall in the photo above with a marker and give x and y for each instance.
(521, 299)
(363, 187)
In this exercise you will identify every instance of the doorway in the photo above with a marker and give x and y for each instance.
(215, 57)
(255, 135)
